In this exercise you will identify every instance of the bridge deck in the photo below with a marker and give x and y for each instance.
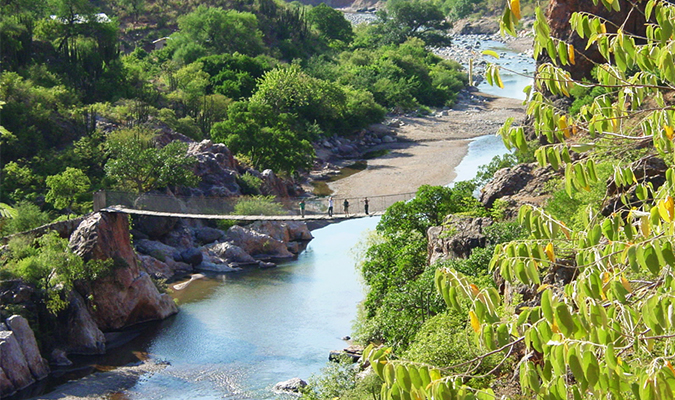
(308, 217)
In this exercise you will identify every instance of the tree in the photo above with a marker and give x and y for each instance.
(216, 31)
(331, 24)
(607, 331)
(403, 19)
(66, 187)
(265, 136)
(135, 164)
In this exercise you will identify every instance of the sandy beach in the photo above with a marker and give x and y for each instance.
(429, 148)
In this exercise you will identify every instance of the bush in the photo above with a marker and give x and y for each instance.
(28, 216)
(258, 205)
(249, 184)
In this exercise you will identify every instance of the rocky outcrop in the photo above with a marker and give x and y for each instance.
(20, 361)
(258, 245)
(82, 335)
(522, 184)
(127, 296)
(216, 169)
(455, 238)
(285, 231)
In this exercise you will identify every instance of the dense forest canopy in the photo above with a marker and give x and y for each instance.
(265, 77)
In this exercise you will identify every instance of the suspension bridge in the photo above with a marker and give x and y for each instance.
(242, 208)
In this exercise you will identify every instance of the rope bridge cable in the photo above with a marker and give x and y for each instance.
(239, 208)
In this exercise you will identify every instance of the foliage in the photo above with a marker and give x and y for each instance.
(28, 216)
(249, 184)
(258, 205)
(66, 187)
(136, 164)
(331, 24)
(48, 263)
(213, 30)
(429, 207)
(251, 123)
(606, 332)
(404, 19)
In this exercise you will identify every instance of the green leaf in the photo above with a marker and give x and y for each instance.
(564, 319)
(491, 53)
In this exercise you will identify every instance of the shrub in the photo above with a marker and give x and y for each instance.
(28, 216)
(249, 184)
(258, 205)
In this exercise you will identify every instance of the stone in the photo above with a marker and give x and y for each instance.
(59, 358)
(192, 256)
(216, 267)
(127, 296)
(353, 352)
(273, 185)
(154, 227)
(232, 253)
(208, 235)
(257, 244)
(13, 362)
(24, 334)
(388, 139)
(522, 184)
(456, 238)
(82, 335)
(6, 386)
(290, 386)
(266, 265)
(156, 268)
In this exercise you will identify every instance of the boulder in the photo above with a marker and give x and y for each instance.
(273, 185)
(290, 386)
(257, 244)
(6, 386)
(59, 357)
(215, 166)
(192, 256)
(353, 352)
(13, 363)
(456, 238)
(38, 366)
(284, 231)
(208, 235)
(155, 268)
(82, 335)
(231, 253)
(522, 184)
(154, 227)
(127, 296)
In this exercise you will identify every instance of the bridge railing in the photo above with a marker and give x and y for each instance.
(241, 205)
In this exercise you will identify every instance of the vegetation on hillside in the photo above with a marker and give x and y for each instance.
(264, 77)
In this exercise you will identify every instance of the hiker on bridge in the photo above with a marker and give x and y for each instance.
(345, 205)
(302, 208)
(330, 206)
(365, 205)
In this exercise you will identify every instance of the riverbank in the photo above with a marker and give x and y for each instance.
(429, 148)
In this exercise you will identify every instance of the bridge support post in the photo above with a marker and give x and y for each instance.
(99, 200)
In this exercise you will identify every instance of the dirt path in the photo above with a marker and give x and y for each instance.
(429, 148)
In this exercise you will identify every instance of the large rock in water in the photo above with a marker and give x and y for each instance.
(24, 335)
(82, 335)
(257, 244)
(14, 365)
(456, 238)
(127, 296)
(215, 167)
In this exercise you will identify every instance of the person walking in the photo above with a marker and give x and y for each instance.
(302, 208)
(330, 206)
(365, 205)
(345, 205)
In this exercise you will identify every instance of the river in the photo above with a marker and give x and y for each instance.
(236, 335)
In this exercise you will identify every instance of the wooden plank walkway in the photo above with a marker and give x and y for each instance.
(308, 217)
